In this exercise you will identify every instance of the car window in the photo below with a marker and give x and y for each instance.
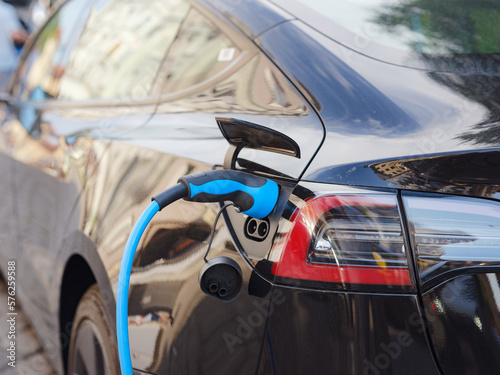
(199, 53)
(39, 74)
(116, 53)
(121, 49)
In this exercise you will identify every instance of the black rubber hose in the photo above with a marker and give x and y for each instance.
(171, 195)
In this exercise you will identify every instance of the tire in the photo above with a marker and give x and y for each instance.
(92, 348)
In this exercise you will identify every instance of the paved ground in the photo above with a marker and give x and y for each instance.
(30, 357)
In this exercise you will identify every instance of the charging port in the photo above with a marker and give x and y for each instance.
(256, 229)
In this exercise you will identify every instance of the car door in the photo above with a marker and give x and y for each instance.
(212, 74)
(41, 199)
(86, 79)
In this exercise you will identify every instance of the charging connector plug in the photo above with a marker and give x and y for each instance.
(254, 196)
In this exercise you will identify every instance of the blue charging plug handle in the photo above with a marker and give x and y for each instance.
(255, 196)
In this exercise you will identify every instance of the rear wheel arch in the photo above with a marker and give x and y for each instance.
(81, 266)
(77, 278)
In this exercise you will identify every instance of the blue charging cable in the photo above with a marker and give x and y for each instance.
(253, 195)
(123, 284)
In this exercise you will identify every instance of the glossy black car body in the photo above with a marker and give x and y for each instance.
(78, 167)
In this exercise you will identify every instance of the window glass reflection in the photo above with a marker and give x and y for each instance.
(121, 49)
(200, 52)
(112, 49)
(41, 72)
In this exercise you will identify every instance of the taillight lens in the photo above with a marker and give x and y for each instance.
(452, 234)
(346, 242)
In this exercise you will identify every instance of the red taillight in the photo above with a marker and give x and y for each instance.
(348, 240)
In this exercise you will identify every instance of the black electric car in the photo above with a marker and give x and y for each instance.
(379, 120)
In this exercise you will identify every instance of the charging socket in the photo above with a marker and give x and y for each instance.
(256, 229)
